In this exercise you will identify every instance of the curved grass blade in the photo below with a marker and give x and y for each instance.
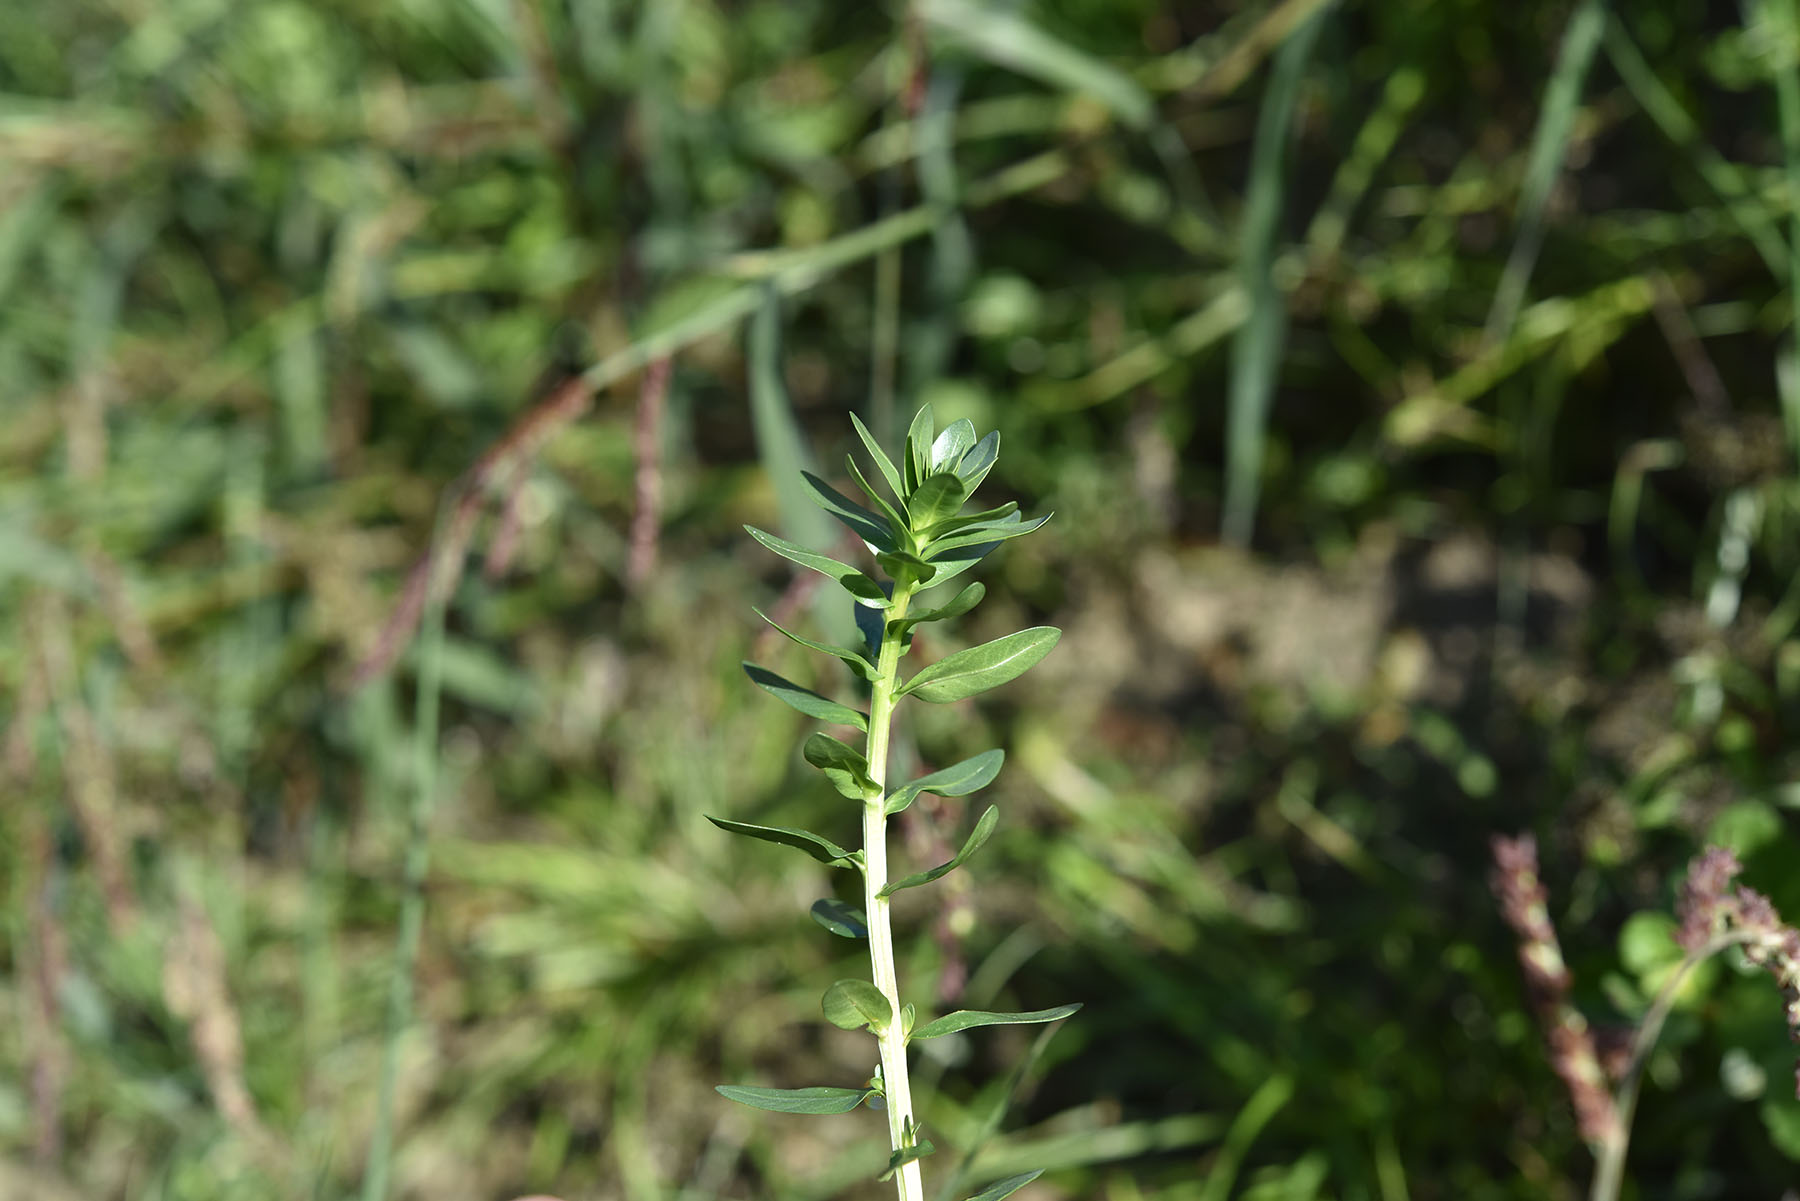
(843, 920)
(950, 446)
(804, 699)
(969, 1019)
(858, 585)
(1007, 1187)
(885, 465)
(983, 830)
(918, 449)
(864, 524)
(980, 668)
(851, 659)
(818, 846)
(996, 531)
(796, 1100)
(843, 765)
(959, 779)
(956, 606)
(979, 461)
(856, 1005)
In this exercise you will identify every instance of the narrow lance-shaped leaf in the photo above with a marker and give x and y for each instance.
(842, 919)
(952, 525)
(982, 667)
(906, 569)
(947, 451)
(959, 779)
(996, 531)
(939, 497)
(952, 563)
(818, 846)
(864, 524)
(1006, 1188)
(804, 699)
(979, 461)
(957, 605)
(918, 449)
(984, 828)
(896, 522)
(843, 765)
(857, 1005)
(968, 1019)
(858, 585)
(883, 464)
(906, 1155)
(851, 659)
(796, 1100)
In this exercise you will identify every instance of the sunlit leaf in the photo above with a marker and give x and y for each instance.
(969, 1019)
(939, 497)
(804, 699)
(959, 779)
(885, 465)
(843, 765)
(947, 451)
(906, 569)
(991, 531)
(979, 461)
(906, 1155)
(842, 919)
(796, 1100)
(918, 449)
(897, 524)
(952, 525)
(864, 524)
(851, 659)
(984, 828)
(956, 606)
(819, 847)
(858, 585)
(857, 1005)
(980, 668)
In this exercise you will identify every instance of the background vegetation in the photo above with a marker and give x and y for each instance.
(1415, 387)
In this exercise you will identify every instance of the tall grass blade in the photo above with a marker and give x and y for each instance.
(1549, 144)
(1256, 350)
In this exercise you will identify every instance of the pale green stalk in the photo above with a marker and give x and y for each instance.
(895, 1082)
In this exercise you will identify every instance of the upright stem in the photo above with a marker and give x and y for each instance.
(881, 938)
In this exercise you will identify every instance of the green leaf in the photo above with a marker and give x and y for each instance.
(882, 463)
(906, 569)
(982, 667)
(864, 524)
(979, 461)
(858, 585)
(993, 531)
(984, 829)
(1007, 1187)
(956, 780)
(901, 531)
(939, 497)
(819, 847)
(843, 765)
(804, 699)
(843, 920)
(907, 1015)
(857, 1005)
(952, 444)
(968, 1019)
(944, 529)
(854, 661)
(918, 449)
(796, 1100)
(906, 1155)
(952, 563)
(959, 604)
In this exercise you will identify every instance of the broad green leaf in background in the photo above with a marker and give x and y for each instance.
(984, 828)
(856, 1005)
(844, 766)
(796, 1100)
(861, 587)
(843, 920)
(1007, 1187)
(819, 847)
(885, 465)
(804, 699)
(959, 779)
(850, 658)
(968, 1019)
(980, 668)
(864, 524)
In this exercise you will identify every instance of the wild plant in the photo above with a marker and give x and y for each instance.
(920, 540)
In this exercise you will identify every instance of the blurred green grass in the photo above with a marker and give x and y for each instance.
(275, 275)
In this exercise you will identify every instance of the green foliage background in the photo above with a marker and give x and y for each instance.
(1471, 324)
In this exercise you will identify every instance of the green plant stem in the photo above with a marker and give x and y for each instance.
(895, 1082)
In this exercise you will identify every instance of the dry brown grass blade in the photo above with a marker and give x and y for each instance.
(195, 988)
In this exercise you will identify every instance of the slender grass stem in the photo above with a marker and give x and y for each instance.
(894, 1077)
(412, 904)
